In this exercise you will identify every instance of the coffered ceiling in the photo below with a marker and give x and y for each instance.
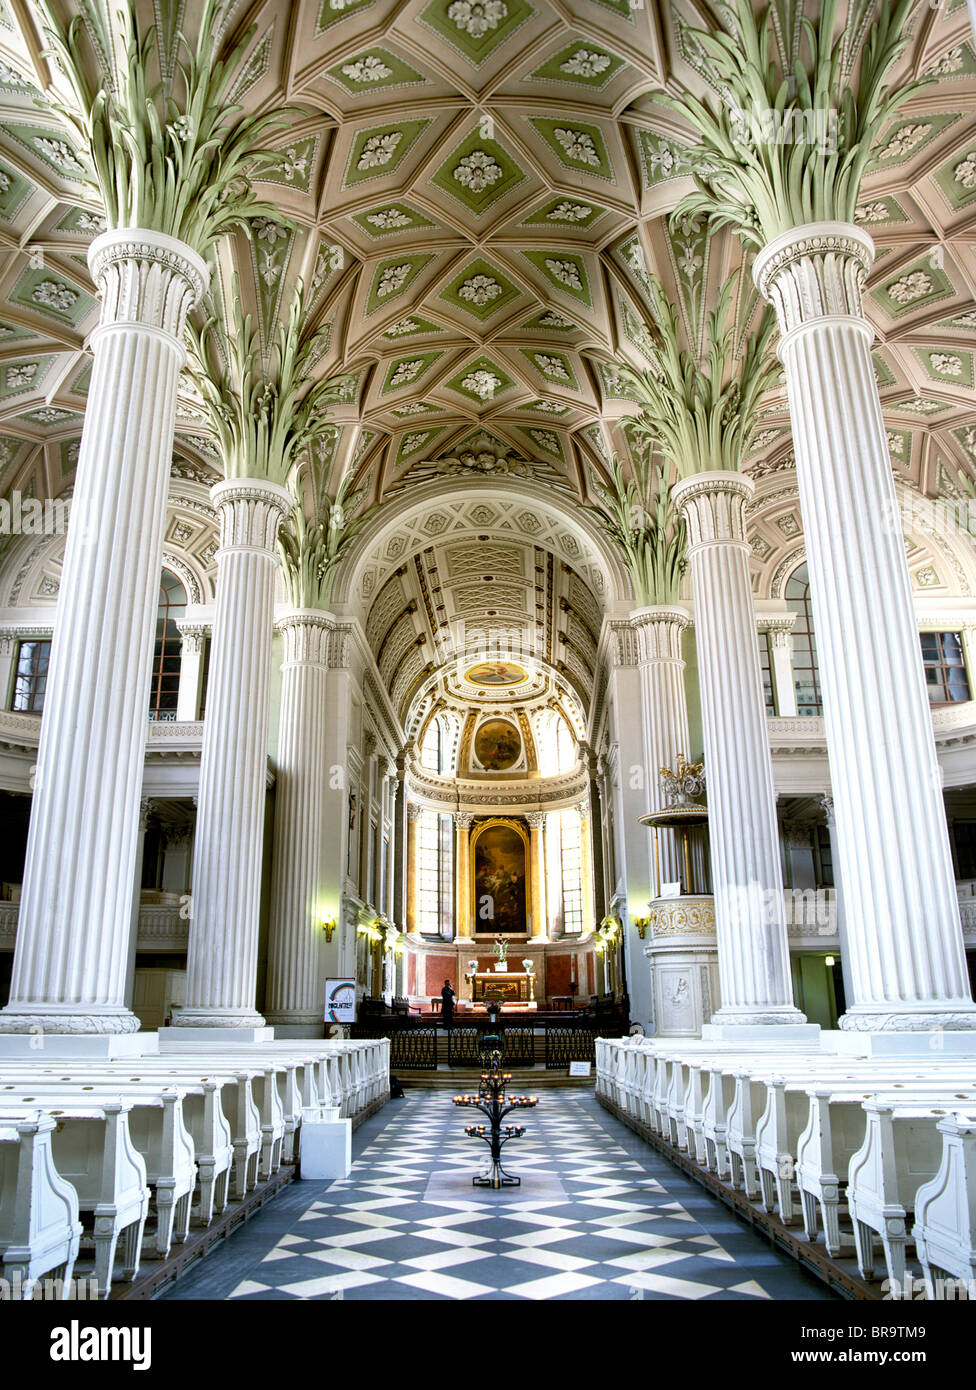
(477, 189)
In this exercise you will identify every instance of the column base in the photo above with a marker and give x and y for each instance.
(777, 1015)
(67, 1018)
(919, 1045)
(175, 1039)
(804, 1034)
(185, 1017)
(77, 1047)
(902, 1018)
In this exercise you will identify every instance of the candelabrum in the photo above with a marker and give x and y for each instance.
(493, 1103)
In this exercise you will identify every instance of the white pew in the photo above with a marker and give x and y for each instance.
(901, 1150)
(94, 1152)
(39, 1225)
(157, 1131)
(945, 1211)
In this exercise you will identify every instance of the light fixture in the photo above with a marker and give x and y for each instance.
(642, 924)
(329, 926)
(828, 961)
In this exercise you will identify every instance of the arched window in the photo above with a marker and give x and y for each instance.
(165, 687)
(430, 749)
(555, 744)
(806, 673)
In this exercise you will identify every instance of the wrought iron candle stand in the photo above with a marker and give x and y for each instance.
(492, 1102)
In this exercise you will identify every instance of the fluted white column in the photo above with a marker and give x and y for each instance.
(297, 890)
(665, 715)
(907, 961)
(750, 915)
(227, 857)
(194, 637)
(73, 932)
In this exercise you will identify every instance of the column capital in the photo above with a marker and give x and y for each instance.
(813, 272)
(414, 810)
(713, 505)
(146, 279)
(463, 820)
(780, 638)
(827, 806)
(314, 638)
(535, 819)
(194, 635)
(583, 807)
(250, 511)
(660, 629)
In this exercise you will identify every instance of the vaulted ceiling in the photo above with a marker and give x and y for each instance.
(478, 188)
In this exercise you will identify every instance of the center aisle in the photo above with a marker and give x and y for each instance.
(599, 1215)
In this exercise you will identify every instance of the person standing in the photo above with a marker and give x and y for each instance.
(447, 1004)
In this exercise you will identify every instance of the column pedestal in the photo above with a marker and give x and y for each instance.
(907, 958)
(227, 860)
(73, 933)
(750, 914)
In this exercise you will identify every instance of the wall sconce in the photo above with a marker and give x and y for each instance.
(642, 924)
(329, 926)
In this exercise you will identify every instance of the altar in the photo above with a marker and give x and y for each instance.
(508, 986)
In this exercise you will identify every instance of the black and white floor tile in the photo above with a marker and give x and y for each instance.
(598, 1215)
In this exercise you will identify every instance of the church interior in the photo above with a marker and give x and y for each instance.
(488, 589)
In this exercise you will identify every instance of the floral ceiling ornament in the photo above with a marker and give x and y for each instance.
(482, 383)
(22, 375)
(553, 320)
(905, 140)
(565, 272)
(388, 218)
(872, 212)
(477, 17)
(60, 153)
(393, 278)
(368, 69)
(406, 371)
(54, 295)
(948, 363)
(578, 145)
(477, 171)
(949, 62)
(4, 182)
(294, 165)
(379, 150)
(551, 367)
(480, 290)
(401, 328)
(965, 172)
(910, 287)
(584, 63)
(569, 212)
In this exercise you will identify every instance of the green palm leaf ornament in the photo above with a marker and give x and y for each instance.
(174, 156)
(796, 107)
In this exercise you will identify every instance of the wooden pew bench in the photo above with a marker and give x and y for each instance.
(93, 1151)
(39, 1225)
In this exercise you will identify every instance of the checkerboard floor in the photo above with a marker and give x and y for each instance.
(599, 1215)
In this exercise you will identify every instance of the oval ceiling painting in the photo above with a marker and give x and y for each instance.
(496, 673)
(497, 745)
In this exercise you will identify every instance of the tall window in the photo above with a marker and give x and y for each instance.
(430, 749)
(570, 861)
(165, 688)
(30, 681)
(765, 667)
(429, 876)
(945, 668)
(555, 744)
(806, 673)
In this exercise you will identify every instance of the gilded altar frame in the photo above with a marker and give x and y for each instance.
(512, 824)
